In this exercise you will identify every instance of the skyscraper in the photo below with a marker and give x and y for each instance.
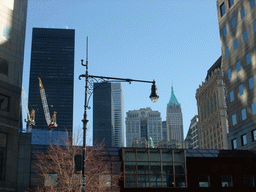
(174, 121)
(237, 24)
(212, 110)
(108, 123)
(52, 59)
(13, 16)
(143, 128)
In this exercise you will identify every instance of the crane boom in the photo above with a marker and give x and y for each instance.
(44, 102)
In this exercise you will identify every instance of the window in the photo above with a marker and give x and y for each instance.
(233, 22)
(248, 181)
(243, 111)
(253, 135)
(204, 180)
(241, 90)
(234, 144)
(231, 96)
(235, 44)
(224, 31)
(252, 2)
(248, 59)
(230, 2)
(245, 35)
(105, 180)
(238, 66)
(242, 13)
(227, 51)
(244, 139)
(3, 66)
(3, 145)
(6, 34)
(222, 9)
(234, 119)
(229, 73)
(4, 103)
(226, 181)
(254, 108)
(254, 26)
(251, 83)
(50, 180)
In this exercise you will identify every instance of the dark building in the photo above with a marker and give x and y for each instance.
(102, 114)
(52, 59)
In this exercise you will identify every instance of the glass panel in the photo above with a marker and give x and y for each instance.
(226, 181)
(248, 180)
(129, 155)
(179, 168)
(245, 35)
(154, 155)
(143, 181)
(252, 2)
(2, 157)
(155, 181)
(233, 22)
(238, 66)
(222, 9)
(180, 181)
(236, 44)
(179, 156)
(130, 181)
(130, 167)
(6, 32)
(142, 155)
(254, 108)
(248, 59)
(224, 30)
(254, 26)
(168, 181)
(155, 168)
(168, 168)
(204, 180)
(50, 180)
(105, 180)
(143, 168)
(227, 51)
(251, 83)
(242, 13)
(166, 155)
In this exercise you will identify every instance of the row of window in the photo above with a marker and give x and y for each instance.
(230, 4)
(244, 140)
(241, 89)
(243, 114)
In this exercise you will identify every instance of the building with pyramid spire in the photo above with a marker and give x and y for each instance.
(174, 120)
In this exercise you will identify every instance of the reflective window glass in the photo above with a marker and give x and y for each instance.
(251, 83)
(254, 108)
(234, 144)
(226, 181)
(238, 66)
(229, 73)
(231, 96)
(224, 30)
(234, 119)
(242, 13)
(243, 111)
(248, 59)
(233, 22)
(245, 35)
(235, 44)
(252, 3)
(227, 51)
(241, 90)
(222, 9)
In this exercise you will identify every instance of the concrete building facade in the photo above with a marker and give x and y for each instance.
(143, 128)
(13, 14)
(191, 140)
(210, 96)
(237, 24)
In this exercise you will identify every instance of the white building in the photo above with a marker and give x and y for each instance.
(143, 126)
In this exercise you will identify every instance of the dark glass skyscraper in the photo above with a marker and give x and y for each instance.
(52, 59)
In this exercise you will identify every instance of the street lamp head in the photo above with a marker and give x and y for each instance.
(154, 96)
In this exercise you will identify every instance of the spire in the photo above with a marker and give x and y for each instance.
(173, 99)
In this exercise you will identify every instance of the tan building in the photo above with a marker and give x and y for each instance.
(237, 23)
(212, 125)
(13, 15)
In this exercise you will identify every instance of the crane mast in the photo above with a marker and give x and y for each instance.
(51, 122)
(30, 119)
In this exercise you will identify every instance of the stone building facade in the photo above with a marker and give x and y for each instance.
(212, 125)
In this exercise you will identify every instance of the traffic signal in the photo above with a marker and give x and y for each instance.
(78, 162)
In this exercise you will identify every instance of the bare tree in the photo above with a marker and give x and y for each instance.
(56, 168)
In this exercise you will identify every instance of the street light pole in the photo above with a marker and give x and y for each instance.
(153, 96)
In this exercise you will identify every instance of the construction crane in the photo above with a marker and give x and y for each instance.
(30, 119)
(51, 122)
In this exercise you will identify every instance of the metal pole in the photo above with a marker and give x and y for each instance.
(85, 120)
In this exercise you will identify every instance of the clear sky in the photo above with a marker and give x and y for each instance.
(170, 41)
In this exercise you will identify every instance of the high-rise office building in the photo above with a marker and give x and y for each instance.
(191, 140)
(52, 59)
(143, 128)
(108, 123)
(13, 14)
(237, 24)
(174, 121)
(212, 110)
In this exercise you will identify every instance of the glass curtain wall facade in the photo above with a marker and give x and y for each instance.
(161, 168)
(52, 59)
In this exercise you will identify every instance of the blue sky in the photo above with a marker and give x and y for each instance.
(171, 41)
